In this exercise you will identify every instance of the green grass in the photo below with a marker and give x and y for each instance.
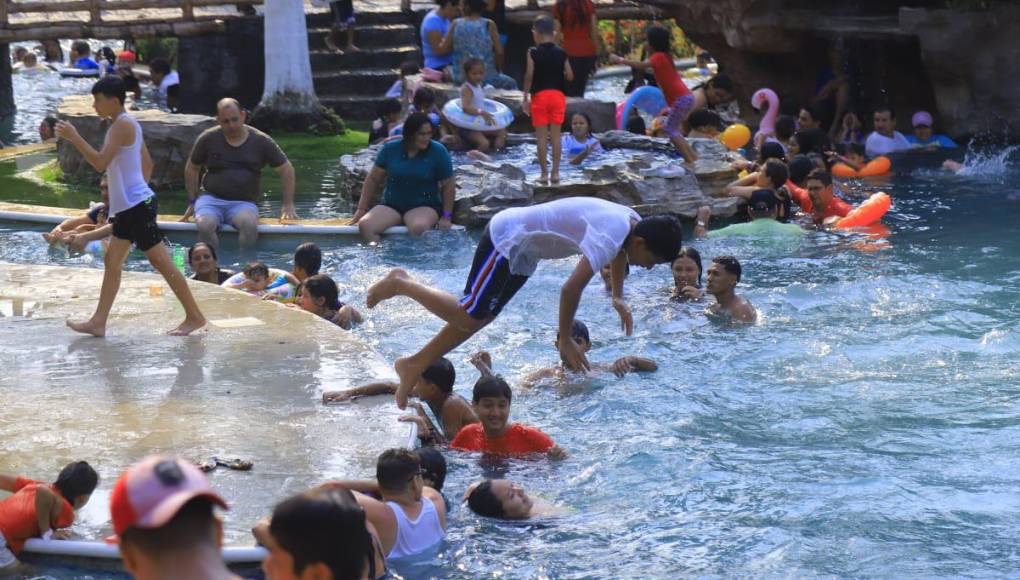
(50, 173)
(304, 146)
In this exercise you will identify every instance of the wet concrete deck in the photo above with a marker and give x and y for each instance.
(251, 391)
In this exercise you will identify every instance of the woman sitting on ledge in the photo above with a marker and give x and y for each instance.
(419, 191)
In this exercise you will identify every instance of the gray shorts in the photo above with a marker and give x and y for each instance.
(224, 210)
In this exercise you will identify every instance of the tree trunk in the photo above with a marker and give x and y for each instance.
(288, 98)
(7, 108)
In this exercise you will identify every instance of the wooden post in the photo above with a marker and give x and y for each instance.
(7, 108)
(188, 10)
(617, 41)
(95, 12)
(3, 14)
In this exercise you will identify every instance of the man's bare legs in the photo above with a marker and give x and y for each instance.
(113, 265)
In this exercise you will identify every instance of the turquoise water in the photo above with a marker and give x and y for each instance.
(867, 426)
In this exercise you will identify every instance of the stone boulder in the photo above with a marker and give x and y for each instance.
(169, 138)
(649, 180)
(602, 113)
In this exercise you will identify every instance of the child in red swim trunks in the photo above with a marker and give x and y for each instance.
(544, 82)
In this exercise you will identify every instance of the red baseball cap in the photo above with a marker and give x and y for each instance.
(151, 492)
(126, 55)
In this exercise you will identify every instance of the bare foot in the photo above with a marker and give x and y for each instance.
(386, 288)
(409, 375)
(88, 327)
(478, 156)
(543, 177)
(187, 327)
(351, 47)
(555, 177)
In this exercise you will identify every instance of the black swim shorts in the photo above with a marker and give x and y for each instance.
(138, 225)
(490, 285)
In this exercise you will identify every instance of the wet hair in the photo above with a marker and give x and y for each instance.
(414, 122)
(322, 286)
(485, 503)
(856, 149)
(491, 386)
(730, 264)
(636, 125)
(771, 150)
(812, 141)
(587, 119)
(423, 98)
(658, 39)
(81, 47)
(30, 58)
(816, 112)
(160, 65)
(309, 257)
(52, 122)
(408, 68)
(388, 107)
(441, 373)
(325, 525)
(777, 172)
(211, 249)
(76, 479)
(703, 117)
(433, 466)
(578, 331)
(662, 235)
(395, 468)
(720, 81)
(472, 63)
(886, 109)
(786, 126)
(693, 255)
(110, 86)
(800, 166)
(252, 269)
(544, 25)
(474, 6)
(193, 526)
(108, 54)
(820, 175)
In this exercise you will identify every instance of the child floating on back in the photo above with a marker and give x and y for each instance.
(545, 79)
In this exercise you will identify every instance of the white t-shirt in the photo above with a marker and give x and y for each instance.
(571, 146)
(576, 225)
(880, 145)
(171, 79)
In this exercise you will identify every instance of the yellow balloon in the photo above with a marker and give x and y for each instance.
(735, 136)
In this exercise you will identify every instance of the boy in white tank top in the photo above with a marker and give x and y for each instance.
(127, 164)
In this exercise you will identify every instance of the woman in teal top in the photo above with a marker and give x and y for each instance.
(418, 175)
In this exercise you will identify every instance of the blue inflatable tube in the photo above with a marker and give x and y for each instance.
(646, 99)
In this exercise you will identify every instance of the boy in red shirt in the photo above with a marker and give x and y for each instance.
(495, 434)
(36, 509)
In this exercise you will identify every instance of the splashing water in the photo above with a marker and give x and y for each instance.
(988, 163)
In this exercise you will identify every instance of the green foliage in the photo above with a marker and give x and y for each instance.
(50, 173)
(632, 37)
(152, 48)
(308, 147)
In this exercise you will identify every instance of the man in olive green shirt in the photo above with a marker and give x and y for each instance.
(762, 208)
(232, 156)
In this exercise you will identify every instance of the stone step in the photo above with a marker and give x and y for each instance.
(369, 36)
(352, 107)
(389, 57)
(325, 19)
(356, 81)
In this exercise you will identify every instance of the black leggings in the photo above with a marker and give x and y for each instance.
(582, 66)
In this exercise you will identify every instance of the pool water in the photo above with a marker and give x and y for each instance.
(866, 426)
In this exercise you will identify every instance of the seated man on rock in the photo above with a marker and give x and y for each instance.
(232, 156)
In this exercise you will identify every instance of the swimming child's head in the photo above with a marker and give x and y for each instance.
(704, 121)
(474, 71)
(543, 29)
(318, 294)
(396, 470)
(307, 260)
(855, 152)
(800, 167)
(580, 126)
(786, 126)
(76, 483)
(257, 274)
(771, 150)
(389, 110)
(773, 175)
(719, 89)
(438, 378)
(491, 400)
(424, 99)
(30, 60)
(433, 467)
(578, 332)
(606, 273)
(654, 240)
(687, 268)
(499, 498)
(108, 94)
(723, 275)
(81, 48)
(658, 39)
(202, 258)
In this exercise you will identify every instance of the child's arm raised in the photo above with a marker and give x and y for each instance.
(482, 361)
(630, 364)
(369, 390)
(570, 297)
(121, 134)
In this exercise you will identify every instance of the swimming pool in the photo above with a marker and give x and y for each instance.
(866, 427)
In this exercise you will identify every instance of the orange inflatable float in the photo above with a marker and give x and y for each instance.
(867, 213)
(877, 166)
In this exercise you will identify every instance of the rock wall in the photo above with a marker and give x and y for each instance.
(231, 64)
(168, 137)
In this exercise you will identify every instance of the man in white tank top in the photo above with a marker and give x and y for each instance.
(410, 518)
(127, 164)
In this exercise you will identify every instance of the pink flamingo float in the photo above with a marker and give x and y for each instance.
(768, 123)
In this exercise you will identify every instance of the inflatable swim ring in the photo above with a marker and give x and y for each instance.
(695, 72)
(500, 113)
(646, 99)
(278, 285)
(79, 72)
(868, 212)
(877, 166)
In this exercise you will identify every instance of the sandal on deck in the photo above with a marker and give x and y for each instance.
(235, 464)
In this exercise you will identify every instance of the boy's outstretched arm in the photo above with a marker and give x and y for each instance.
(371, 389)
(630, 364)
(570, 297)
